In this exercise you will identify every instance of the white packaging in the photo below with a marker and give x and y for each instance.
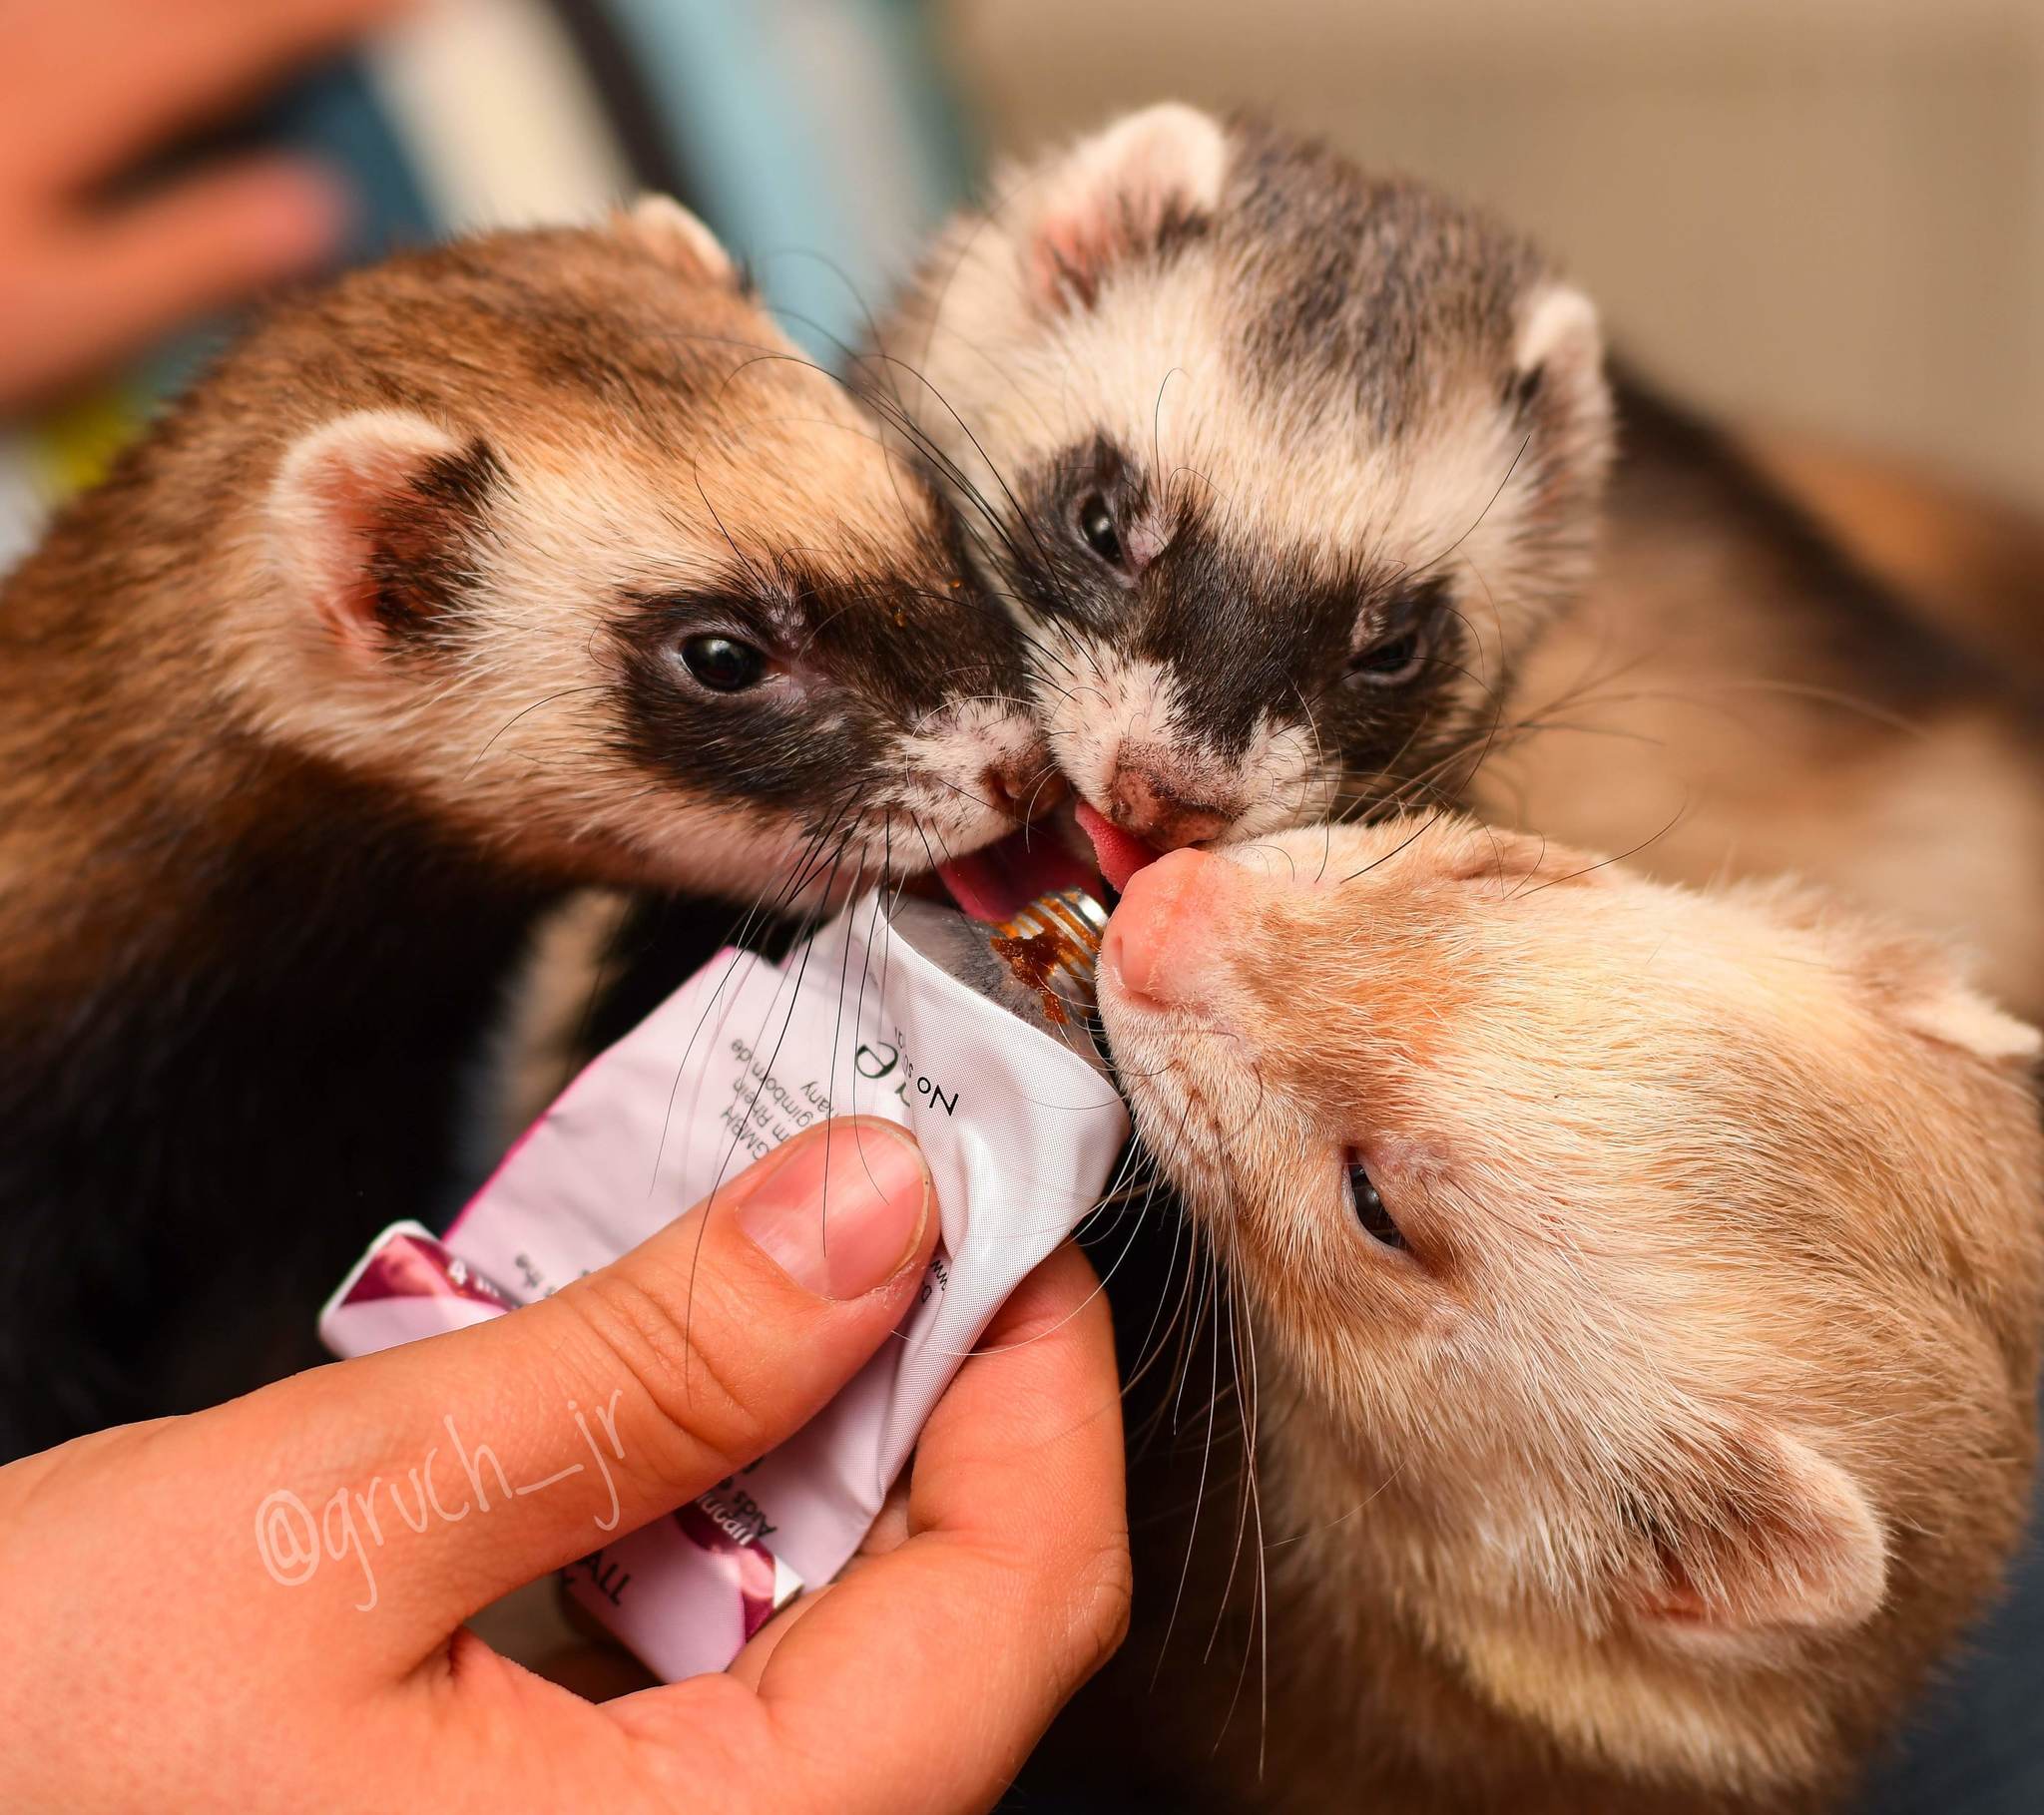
(1019, 1129)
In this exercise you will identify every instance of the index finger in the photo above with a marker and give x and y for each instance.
(93, 84)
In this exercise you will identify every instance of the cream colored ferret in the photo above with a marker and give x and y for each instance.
(1650, 1280)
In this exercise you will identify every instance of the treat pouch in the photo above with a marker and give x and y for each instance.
(1020, 1130)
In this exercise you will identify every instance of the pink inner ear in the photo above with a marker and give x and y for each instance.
(1068, 259)
(1675, 1599)
(346, 497)
(343, 494)
(1778, 1539)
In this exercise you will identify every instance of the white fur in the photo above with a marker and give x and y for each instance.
(1963, 1019)
(940, 772)
(1126, 178)
(1104, 710)
(669, 229)
(1558, 327)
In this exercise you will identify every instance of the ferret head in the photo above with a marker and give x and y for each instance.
(1279, 466)
(1658, 1274)
(554, 531)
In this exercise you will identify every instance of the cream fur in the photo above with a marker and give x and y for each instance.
(1695, 1418)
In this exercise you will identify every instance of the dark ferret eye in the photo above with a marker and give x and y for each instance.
(1369, 1207)
(1406, 629)
(1392, 664)
(723, 664)
(1095, 524)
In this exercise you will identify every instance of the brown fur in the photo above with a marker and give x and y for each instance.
(369, 651)
(1974, 565)
(1735, 695)
(1695, 1417)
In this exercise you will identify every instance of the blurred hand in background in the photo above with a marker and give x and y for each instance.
(89, 89)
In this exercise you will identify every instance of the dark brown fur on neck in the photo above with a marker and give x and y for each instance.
(238, 992)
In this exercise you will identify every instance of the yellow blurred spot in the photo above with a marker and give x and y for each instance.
(74, 446)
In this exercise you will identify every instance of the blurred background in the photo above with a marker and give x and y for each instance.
(1827, 213)
(1824, 217)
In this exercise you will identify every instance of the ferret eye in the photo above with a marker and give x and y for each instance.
(1394, 662)
(1369, 1207)
(1095, 524)
(723, 664)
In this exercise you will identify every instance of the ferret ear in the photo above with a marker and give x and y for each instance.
(1558, 348)
(368, 518)
(1766, 1536)
(1117, 193)
(661, 226)
(1963, 1018)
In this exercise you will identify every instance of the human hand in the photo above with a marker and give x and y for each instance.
(88, 87)
(152, 1659)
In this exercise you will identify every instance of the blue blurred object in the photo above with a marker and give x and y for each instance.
(818, 137)
(1976, 1746)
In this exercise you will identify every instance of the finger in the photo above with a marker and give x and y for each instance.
(92, 83)
(95, 290)
(525, 1442)
(941, 1663)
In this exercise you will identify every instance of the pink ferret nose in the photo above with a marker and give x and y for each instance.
(1165, 936)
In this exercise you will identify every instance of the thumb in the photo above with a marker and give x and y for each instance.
(435, 1476)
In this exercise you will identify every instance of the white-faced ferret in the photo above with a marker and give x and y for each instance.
(1644, 1287)
(1291, 477)
(522, 564)
(1279, 466)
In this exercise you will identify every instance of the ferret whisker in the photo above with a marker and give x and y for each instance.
(545, 700)
(1007, 492)
(1485, 512)
(1425, 826)
(1199, 1493)
(1679, 814)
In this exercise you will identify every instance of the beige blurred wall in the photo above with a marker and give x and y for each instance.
(1827, 215)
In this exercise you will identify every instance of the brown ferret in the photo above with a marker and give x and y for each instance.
(1971, 564)
(1643, 1288)
(526, 563)
(1737, 694)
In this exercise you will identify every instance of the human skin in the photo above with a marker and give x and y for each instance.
(89, 87)
(155, 1659)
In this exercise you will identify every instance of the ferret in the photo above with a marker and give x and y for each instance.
(528, 563)
(1737, 694)
(1644, 1292)
(1970, 564)
(1312, 496)
(1279, 467)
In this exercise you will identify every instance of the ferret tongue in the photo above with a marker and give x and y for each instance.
(997, 882)
(1118, 854)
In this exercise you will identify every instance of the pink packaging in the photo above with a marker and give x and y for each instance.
(973, 1037)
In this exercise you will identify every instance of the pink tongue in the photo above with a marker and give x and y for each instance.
(1118, 854)
(997, 882)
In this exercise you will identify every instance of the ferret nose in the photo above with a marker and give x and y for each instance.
(1022, 790)
(1140, 802)
(1164, 942)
